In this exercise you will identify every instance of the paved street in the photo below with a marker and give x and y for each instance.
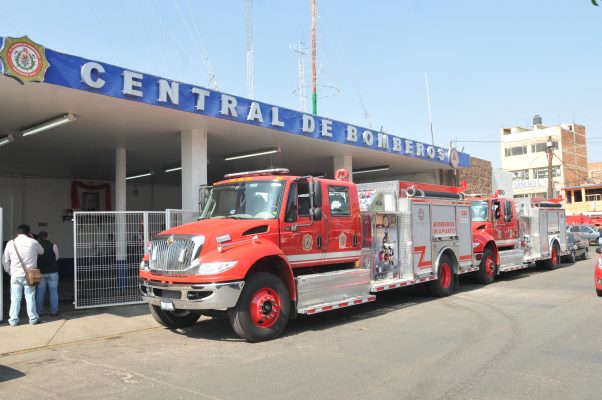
(531, 335)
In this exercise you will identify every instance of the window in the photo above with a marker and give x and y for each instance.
(542, 173)
(338, 197)
(303, 199)
(520, 175)
(569, 197)
(508, 211)
(515, 151)
(541, 147)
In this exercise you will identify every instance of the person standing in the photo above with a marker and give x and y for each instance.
(47, 263)
(29, 249)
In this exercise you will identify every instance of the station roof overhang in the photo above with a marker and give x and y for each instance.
(149, 127)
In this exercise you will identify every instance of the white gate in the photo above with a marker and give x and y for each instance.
(108, 248)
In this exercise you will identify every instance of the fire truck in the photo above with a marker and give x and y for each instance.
(512, 234)
(269, 246)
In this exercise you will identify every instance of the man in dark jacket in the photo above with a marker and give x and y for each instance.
(47, 263)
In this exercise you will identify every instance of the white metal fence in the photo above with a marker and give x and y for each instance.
(108, 248)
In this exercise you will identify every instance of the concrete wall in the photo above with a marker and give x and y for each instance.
(41, 204)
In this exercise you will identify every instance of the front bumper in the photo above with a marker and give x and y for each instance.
(212, 296)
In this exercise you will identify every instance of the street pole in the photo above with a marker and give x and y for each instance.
(550, 151)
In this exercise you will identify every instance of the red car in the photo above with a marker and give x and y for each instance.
(598, 274)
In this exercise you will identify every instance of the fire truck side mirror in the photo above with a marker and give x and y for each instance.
(317, 193)
(316, 213)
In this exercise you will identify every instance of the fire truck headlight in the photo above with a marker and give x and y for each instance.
(213, 268)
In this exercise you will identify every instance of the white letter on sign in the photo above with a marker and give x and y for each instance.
(132, 83)
(275, 117)
(409, 147)
(254, 112)
(86, 74)
(430, 151)
(368, 137)
(420, 149)
(351, 133)
(229, 105)
(383, 141)
(308, 123)
(169, 90)
(326, 127)
(396, 144)
(200, 100)
(440, 154)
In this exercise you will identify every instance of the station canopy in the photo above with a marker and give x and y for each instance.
(114, 107)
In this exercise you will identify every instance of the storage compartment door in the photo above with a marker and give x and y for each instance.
(544, 243)
(465, 235)
(421, 234)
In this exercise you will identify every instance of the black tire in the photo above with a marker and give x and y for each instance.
(552, 262)
(445, 284)
(271, 308)
(571, 257)
(599, 292)
(487, 269)
(174, 319)
(585, 255)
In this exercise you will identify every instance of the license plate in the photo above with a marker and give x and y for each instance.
(167, 305)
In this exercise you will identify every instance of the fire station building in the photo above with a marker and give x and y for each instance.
(83, 135)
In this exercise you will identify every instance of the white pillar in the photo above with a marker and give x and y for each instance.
(345, 162)
(194, 166)
(120, 220)
(120, 173)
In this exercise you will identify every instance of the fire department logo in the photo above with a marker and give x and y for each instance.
(308, 242)
(170, 240)
(24, 59)
(342, 241)
(454, 157)
(421, 215)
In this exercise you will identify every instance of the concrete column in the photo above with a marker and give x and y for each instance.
(120, 220)
(194, 166)
(345, 162)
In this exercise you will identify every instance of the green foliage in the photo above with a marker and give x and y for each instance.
(595, 2)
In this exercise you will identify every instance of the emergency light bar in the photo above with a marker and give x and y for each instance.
(261, 172)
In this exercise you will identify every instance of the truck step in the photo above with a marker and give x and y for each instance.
(353, 301)
(468, 269)
(513, 267)
(382, 286)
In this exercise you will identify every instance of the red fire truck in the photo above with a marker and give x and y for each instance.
(270, 246)
(512, 234)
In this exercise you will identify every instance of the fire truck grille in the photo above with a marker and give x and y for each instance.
(171, 255)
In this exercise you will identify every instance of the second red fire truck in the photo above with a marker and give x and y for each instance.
(270, 246)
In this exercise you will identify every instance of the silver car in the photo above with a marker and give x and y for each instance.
(586, 232)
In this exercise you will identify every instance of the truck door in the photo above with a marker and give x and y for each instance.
(301, 240)
(342, 222)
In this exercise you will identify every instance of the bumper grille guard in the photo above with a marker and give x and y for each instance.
(174, 252)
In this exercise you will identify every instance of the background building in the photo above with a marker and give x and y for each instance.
(477, 177)
(524, 155)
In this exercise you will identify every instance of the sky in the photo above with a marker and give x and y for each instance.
(489, 64)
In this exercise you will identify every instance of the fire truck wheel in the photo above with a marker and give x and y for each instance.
(263, 308)
(486, 272)
(174, 319)
(552, 262)
(599, 292)
(446, 282)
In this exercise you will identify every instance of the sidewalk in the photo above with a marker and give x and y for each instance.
(74, 326)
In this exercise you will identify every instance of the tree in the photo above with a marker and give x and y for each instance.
(595, 2)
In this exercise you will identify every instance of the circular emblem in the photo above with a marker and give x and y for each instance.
(23, 59)
(421, 215)
(308, 242)
(454, 157)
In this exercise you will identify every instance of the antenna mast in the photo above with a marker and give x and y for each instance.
(314, 94)
(250, 87)
(301, 49)
(428, 100)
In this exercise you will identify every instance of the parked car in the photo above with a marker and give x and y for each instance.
(587, 232)
(578, 246)
(598, 274)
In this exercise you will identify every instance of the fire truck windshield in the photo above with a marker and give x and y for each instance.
(245, 200)
(480, 211)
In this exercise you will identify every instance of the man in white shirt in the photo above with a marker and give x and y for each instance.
(28, 249)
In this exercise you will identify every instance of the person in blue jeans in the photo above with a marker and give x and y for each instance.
(47, 263)
(21, 253)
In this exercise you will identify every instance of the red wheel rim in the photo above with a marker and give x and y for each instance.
(446, 275)
(265, 307)
(489, 267)
(554, 255)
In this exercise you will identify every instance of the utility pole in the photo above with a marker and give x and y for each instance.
(550, 151)
(250, 85)
(314, 93)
